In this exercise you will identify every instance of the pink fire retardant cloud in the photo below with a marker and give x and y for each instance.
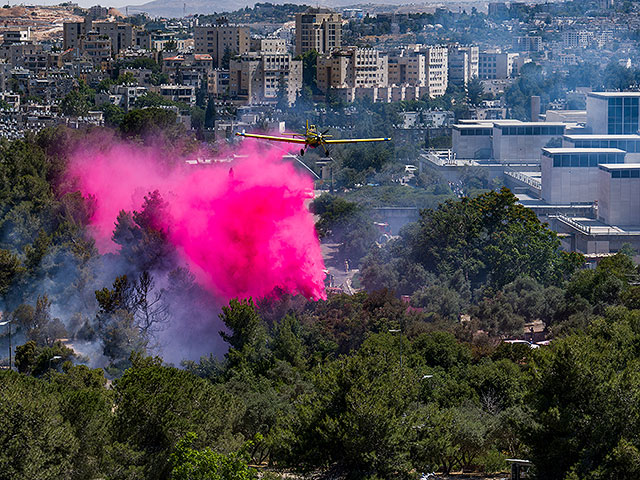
(242, 232)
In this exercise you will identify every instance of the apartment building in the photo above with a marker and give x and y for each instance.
(576, 39)
(259, 77)
(96, 46)
(529, 43)
(218, 83)
(220, 39)
(463, 64)
(352, 67)
(318, 29)
(420, 66)
(586, 38)
(120, 34)
(72, 32)
(268, 45)
(178, 93)
(16, 35)
(495, 65)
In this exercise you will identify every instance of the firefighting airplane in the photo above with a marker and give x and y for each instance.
(311, 138)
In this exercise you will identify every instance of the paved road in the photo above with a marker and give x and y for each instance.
(341, 278)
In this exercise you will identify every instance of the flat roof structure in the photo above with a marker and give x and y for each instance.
(609, 167)
(458, 126)
(603, 136)
(560, 151)
(613, 94)
(499, 123)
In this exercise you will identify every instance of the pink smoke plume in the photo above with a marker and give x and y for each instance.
(243, 232)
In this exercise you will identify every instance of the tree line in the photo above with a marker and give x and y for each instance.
(408, 376)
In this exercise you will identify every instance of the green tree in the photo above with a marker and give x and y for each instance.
(37, 442)
(113, 114)
(151, 121)
(210, 115)
(247, 336)
(475, 91)
(158, 406)
(191, 464)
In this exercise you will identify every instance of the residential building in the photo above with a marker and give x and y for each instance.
(96, 46)
(97, 12)
(462, 64)
(218, 83)
(16, 35)
(142, 39)
(268, 45)
(420, 66)
(72, 32)
(124, 96)
(219, 40)
(120, 34)
(576, 38)
(351, 67)
(529, 43)
(495, 65)
(178, 93)
(318, 29)
(262, 77)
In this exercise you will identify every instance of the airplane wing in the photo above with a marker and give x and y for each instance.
(358, 140)
(271, 138)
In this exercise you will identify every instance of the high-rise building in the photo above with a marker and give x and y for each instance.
(262, 77)
(494, 65)
(421, 66)
(351, 67)
(318, 29)
(463, 64)
(97, 46)
(120, 34)
(529, 43)
(219, 40)
(72, 32)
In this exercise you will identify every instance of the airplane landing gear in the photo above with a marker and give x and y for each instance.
(301, 152)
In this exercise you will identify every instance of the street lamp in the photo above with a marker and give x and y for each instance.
(397, 330)
(2, 324)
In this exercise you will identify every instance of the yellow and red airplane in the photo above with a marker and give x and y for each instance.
(311, 138)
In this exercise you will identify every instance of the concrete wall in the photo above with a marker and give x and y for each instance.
(563, 185)
(618, 200)
(597, 115)
(518, 147)
(470, 146)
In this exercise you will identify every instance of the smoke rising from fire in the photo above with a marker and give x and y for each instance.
(242, 227)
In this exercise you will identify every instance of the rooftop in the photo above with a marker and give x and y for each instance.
(613, 94)
(557, 151)
(500, 123)
(619, 166)
(603, 137)
(473, 125)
